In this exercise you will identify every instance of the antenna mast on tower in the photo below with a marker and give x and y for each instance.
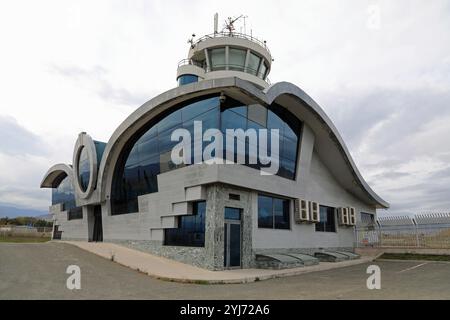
(229, 24)
(216, 23)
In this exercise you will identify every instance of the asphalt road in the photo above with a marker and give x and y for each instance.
(38, 271)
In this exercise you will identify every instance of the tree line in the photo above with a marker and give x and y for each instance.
(25, 221)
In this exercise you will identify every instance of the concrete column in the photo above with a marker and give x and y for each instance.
(227, 54)
(304, 157)
(208, 63)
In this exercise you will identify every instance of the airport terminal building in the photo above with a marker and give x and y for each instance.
(284, 181)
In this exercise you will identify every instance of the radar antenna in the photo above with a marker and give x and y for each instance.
(229, 23)
(191, 41)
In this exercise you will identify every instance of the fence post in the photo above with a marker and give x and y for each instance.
(417, 234)
(379, 236)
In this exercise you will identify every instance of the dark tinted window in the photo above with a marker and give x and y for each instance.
(191, 228)
(273, 212)
(75, 213)
(327, 220)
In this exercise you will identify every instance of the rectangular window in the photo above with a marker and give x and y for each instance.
(253, 64)
(232, 213)
(217, 59)
(236, 59)
(262, 71)
(273, 212)
(75, 213)
(191, 228)
(367, 220)
(233, 196)
(327, 219)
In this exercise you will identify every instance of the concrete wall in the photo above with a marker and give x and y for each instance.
(71, 229)
(321, 187)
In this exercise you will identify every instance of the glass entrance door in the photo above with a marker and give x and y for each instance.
(232, 238)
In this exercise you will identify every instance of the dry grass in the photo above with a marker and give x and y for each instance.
(24, 239)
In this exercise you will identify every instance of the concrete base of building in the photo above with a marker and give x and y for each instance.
(170, 270)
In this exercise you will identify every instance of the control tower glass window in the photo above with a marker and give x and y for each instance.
(253, 64)
(218, 59)
(186, 79)
(237, 59)
(262, 71)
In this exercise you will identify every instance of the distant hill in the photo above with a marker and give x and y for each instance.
(13, 212)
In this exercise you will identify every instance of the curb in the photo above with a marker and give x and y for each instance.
(239, 280)
(416, 261)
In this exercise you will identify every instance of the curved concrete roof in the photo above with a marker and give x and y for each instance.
(285, 88)
(330, 145)
(55, 175)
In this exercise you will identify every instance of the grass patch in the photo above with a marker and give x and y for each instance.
(203, 282)
(24, 239)
(415, 256)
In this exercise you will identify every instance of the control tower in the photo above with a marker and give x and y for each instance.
(226, 54)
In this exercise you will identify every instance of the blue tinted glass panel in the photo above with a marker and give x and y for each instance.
(235, 245)
(232, 213)
(169, 122)
(65, 195)
(84, 169)
(186, 79)
(191, 229)
(232, 120)
(99, 148)
(265, 215)
(281, 213)
(289, 148)
(193, 110)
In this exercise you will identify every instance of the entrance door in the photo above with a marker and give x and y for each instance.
(98, 228)
(232, 238)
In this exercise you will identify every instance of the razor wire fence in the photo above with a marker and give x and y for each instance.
(431, 231)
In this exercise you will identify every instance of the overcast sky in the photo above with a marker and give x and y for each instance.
(379, 69)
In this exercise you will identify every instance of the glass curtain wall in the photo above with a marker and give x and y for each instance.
(65, 194)
(149, 153)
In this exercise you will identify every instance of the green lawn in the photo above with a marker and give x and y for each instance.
(24, 239)
(415, 256)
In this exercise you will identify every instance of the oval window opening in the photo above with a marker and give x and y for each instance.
(84, 171)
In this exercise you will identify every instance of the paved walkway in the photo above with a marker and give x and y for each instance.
(167, 269)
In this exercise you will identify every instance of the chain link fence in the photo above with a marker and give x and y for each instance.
(425, 231)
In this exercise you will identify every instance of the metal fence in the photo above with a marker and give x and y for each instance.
(420, 231)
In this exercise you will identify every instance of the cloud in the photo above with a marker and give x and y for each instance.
(17, 140)
(400, 141)
(95, 79)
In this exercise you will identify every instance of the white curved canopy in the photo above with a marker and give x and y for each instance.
(55, 175)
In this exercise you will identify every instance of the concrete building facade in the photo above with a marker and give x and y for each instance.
(216, 215)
